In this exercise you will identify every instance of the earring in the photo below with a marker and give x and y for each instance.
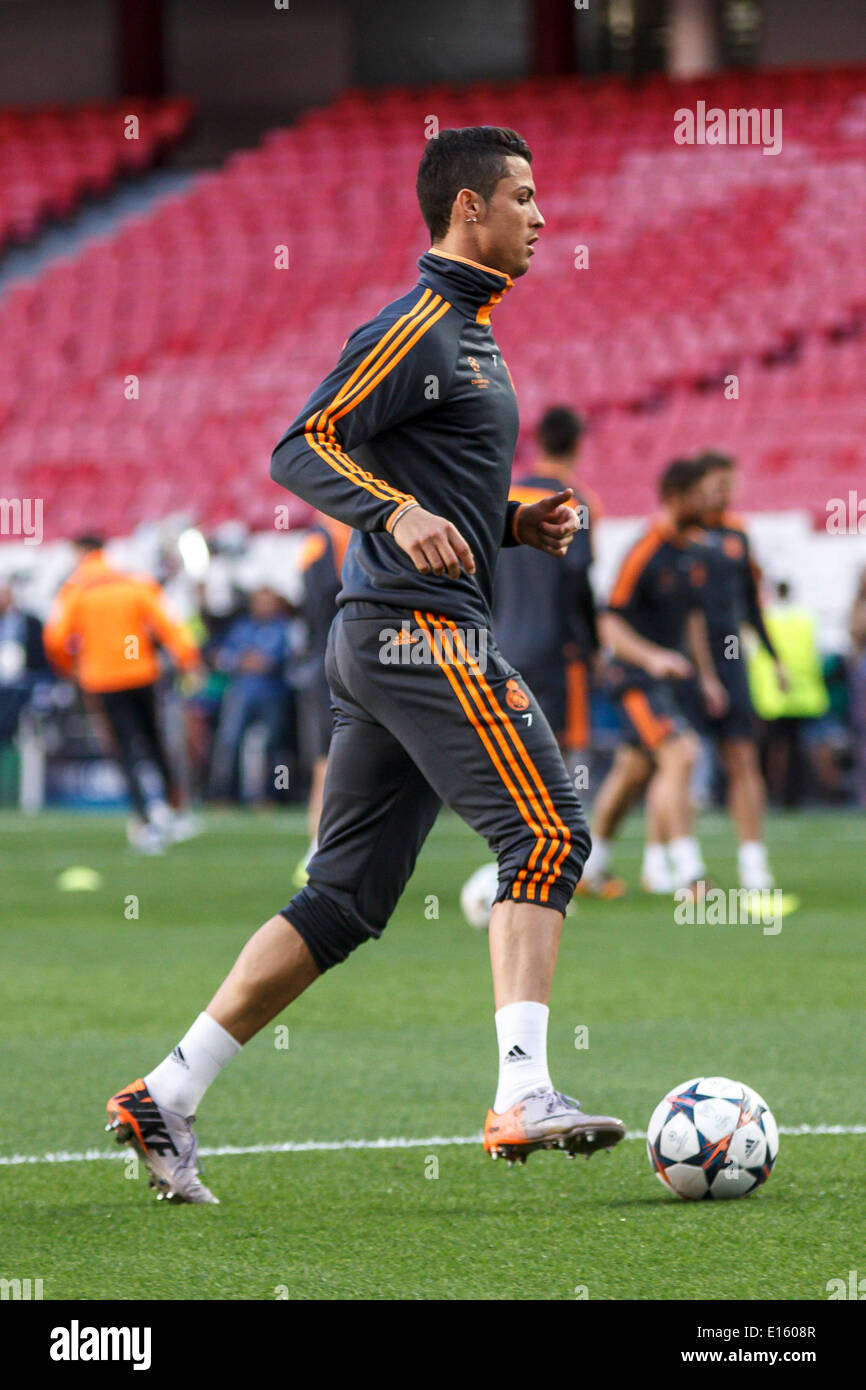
(472, 219)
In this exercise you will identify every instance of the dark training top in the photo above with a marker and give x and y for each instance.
(420, 406)
(660, 580)
(543, 604)
(730, 595)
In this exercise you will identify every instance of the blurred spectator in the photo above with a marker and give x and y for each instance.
(828, 739)
(254, 654)
(22, 661)
(785, 712)
(103, 632)
(857, 689)
(212, 620)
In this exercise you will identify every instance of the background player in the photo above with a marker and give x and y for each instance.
(731, 598)
(320, 563)
(653, 616)
(102, 632)
(544, 615)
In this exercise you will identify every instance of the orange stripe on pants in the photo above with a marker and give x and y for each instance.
(651, 729)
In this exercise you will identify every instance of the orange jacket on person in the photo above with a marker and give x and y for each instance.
(105, 624)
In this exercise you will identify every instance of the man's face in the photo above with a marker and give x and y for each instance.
(718, 487)
(687, 507)
(264, 604)
(510, 221)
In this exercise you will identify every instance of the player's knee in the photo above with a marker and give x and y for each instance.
(331, 924)
(680, 751)
(740, 757)
(633, 766)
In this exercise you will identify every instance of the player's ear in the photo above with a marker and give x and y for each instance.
(467, 205)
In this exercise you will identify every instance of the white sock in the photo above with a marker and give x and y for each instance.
(686, 860)
(179, 1082)
(522, 1033)
(754, 866)
(159, 813)
(655, 873)
(598, 858)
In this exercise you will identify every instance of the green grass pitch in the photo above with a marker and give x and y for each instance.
(399, 1043)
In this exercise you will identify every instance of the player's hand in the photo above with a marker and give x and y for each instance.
(433, 544)
(254, 662)
(599, 664)
(549, 524)
(193, 681)
(715, 696)
(667, 665)
(782, 679)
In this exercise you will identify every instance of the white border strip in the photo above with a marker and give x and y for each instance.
(291, 1146)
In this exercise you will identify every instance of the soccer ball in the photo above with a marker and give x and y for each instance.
(477, 894)
(712, 1137)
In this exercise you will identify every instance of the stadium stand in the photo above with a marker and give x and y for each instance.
(732, 263)
(52, 157)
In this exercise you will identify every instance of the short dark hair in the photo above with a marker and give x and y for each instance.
(472, 157)
(559, 431)
(89, 542)
(679, 476)
(713, 462)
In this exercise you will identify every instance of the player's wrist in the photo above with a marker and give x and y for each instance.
(398, 514)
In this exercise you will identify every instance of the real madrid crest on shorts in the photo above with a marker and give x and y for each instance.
(515, 698)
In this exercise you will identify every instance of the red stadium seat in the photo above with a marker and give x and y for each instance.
(51, 157)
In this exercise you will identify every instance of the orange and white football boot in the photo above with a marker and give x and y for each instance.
(604, 886)
(164, 1142)
(548, 1120)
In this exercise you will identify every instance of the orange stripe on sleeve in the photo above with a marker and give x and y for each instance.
(378, 347)
(345, 466)
(319, 430)
(389, 363)
(633, 567)
(390, 354)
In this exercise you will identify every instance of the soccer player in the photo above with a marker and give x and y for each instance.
(320, 563)
(732, 599)
(544, 615)
(410, 441)
(653, 616)
(102, 632)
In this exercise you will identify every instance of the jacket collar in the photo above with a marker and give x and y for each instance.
(662, 526)
(92, 566)
(473, 289)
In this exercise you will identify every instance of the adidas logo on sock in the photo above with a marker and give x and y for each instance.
(516, 1054)
(177, 1056)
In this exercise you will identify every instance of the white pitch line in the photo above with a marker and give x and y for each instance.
(293, 1146)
